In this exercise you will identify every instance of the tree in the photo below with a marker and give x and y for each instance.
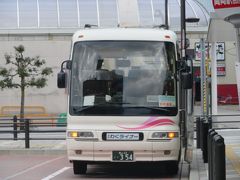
(23, 72)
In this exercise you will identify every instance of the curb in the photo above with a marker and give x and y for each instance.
(194, 169)
(33, 152)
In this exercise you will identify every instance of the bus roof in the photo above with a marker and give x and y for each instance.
(118, 34)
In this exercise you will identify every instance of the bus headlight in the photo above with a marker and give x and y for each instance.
(164, 135)
(81, 135)
(172, 135)
(73, 134)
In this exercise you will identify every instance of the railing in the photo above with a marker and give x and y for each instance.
(219, 122)
(20, 129)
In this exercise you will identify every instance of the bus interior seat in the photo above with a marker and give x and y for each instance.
(103, 74)
(144, 80)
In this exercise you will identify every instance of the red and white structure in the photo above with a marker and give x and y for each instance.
(224, 26)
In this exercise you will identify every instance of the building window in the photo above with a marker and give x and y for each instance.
(28, 15)
(8, 14)
(88, 12)
(159, 14)
(145, 12)
(48, 15)
(108, 13)
(68, 13)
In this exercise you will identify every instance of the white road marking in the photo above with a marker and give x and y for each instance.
(34, 167)
(56, 173)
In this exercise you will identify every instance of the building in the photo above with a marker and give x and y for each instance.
(45, 28)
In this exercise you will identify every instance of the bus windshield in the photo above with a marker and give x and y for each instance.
(123, 78)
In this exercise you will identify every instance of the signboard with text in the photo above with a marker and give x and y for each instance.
(220, 51)
(222, 4)
(198, 50)
(221, 69)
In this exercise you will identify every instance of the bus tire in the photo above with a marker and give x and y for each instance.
(172, 167)
(79, 167)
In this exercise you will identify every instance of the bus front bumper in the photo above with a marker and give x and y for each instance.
(143, 151)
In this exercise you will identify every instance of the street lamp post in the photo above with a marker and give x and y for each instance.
(183, 29)
(166, 14)
(184, 93)
(185, 20)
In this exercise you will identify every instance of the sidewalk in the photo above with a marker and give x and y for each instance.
(199, 170)
(36, 147)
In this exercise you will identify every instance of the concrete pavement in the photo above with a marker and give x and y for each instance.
(199, 170)
(36, 147)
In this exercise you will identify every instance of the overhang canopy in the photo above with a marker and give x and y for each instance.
(220, 30)
(223, 26)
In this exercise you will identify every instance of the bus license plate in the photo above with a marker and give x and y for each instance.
(122, 155)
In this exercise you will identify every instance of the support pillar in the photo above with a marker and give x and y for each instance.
(214, 80)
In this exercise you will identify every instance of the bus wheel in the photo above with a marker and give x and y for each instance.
(172, 167)
(79, 167)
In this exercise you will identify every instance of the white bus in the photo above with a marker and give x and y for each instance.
(123, 103)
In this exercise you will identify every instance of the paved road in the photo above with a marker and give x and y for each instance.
(45, 167)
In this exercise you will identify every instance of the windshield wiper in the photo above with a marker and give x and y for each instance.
(154, 108)
(119, 103)
(79, 109)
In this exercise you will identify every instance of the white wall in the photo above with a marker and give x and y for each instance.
(230, 61)
(230, 58)
(54, 49)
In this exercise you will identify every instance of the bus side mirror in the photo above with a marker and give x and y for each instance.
(187, 80)
(61, 79)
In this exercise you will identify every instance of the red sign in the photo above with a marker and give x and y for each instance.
(221, 4)
(221, 69)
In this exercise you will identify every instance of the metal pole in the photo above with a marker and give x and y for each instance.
(183, 29)
(238, 44)
(203, 78)
(153, 18)
(27, 139)
(214, 104)
(98, 15)
(209, 107)
(15, 128)
(182, 92)
(166, 14)
(238, 60)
